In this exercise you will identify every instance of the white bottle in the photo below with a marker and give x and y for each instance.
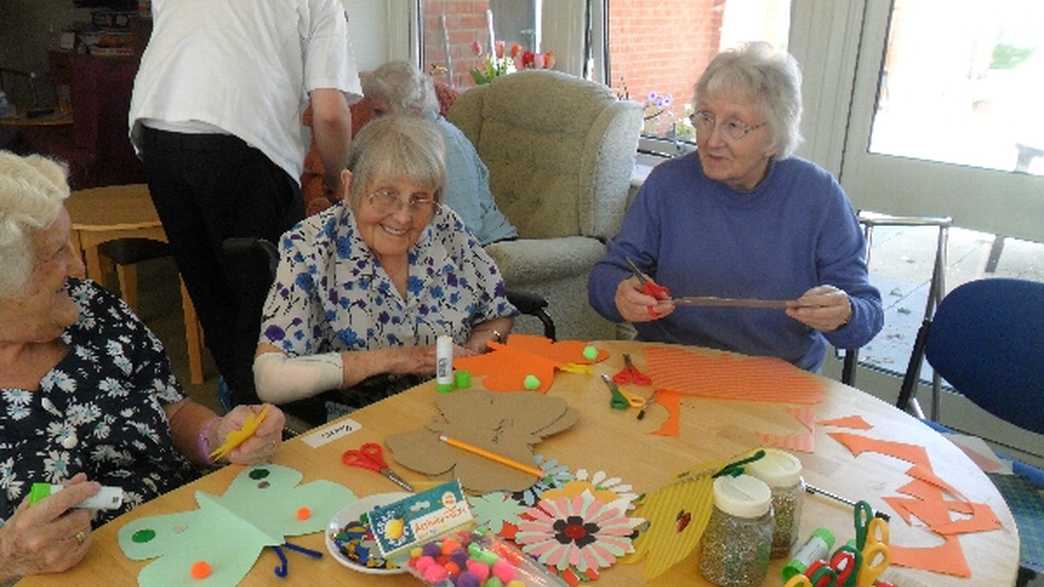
(444, 364)
(107, 498)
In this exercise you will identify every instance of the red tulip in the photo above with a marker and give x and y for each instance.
(527, 59)
(500, 49)
(476, 48)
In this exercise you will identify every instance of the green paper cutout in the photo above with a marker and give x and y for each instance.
(229, 532)
(143, 535)
(493, 509)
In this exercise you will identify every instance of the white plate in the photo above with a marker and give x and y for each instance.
(351, 513)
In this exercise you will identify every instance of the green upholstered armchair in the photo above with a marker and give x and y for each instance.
(560, 152)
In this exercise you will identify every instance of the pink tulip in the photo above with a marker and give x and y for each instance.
(518, 63)
(538, 60)
(549, 60)
(500, 49)
(476, 48)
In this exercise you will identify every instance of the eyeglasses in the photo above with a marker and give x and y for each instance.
(389, 202)
(733, 129)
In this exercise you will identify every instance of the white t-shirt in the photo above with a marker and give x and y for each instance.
(243, 67)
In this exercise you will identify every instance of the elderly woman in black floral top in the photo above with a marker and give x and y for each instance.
(87, 396)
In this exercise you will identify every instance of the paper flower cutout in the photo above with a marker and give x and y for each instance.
(607, 489)
(581, 532)
(555, 475)
(494, 510)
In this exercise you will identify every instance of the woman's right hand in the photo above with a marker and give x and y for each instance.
(637, 306)
(420, 360)
(50, 536)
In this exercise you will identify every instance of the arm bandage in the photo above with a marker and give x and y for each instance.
(280, 379)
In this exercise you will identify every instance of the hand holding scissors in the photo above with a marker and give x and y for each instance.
(640, 299)
(872, 541)
(370, 456)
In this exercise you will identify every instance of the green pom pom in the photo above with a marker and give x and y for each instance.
(531, 382)
(590, 352)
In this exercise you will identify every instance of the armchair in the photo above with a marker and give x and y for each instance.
(560, 151)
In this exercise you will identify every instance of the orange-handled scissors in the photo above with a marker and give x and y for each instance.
(370, 456)
(631, 374)
(649, 287)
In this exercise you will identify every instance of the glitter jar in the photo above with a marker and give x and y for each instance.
(781, 471)
(738, 538)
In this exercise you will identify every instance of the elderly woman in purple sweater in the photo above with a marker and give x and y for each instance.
(742, 217)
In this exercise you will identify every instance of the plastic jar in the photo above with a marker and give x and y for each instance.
(738, 538)
(781, 471)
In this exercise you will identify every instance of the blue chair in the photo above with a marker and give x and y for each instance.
(987, 340)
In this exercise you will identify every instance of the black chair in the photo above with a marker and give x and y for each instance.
(987, 340)
(253, 262)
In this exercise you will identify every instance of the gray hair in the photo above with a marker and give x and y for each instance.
(399, 146)
(770, 78)
(32, 190)
(404, 88)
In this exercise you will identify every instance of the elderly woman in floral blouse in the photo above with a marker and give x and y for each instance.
(364, 288)
(86, 392)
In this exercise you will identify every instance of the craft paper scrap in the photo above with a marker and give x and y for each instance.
(857, 445)
(505, 368)
(728, 376)
(947, 558)
(262, 506)
(806, 415)
(677, 514)
(925, 473)
(980, 453)
(804, 441)
(928, 492)
(506, 424)
(670, 402)
(853, 422)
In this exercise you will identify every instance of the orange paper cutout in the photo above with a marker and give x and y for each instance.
(853, 422)
(982, 519)
(924, 473)
(726, 376)
(858, 444)
(806, 415)
(669, 400)
(802, 441)
(932, 513)
(947, 558)
(507, 365)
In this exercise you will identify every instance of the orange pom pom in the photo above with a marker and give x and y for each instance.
(304, 512)
(200, 570)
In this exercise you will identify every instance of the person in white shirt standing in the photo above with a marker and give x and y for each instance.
(216, 119)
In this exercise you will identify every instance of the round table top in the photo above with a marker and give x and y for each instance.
(112, 207)
(55, 119)
(622, 446)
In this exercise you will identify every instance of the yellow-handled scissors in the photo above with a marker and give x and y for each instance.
(872, 540)
(800, 580)
(635, 400)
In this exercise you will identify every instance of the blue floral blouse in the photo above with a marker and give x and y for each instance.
(332, 294)
(99, 411)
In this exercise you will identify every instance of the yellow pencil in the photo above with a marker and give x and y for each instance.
(492, 456)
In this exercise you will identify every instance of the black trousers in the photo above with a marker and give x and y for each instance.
(207, 188)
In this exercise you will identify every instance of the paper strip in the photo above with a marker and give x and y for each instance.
(853, 422)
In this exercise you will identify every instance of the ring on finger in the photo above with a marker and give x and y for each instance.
(80, 536)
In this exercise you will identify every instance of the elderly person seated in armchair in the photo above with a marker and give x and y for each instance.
(364, 288)
(86, 390)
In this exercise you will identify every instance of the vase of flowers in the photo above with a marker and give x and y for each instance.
(502, 62)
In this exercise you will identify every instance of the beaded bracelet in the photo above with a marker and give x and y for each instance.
(203, 440)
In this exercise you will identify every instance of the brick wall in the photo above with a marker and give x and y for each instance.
(662, 45)
(465, 23)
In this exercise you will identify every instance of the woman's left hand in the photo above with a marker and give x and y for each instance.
(262, 444)
(825, 308)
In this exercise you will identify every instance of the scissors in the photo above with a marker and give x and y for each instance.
(619, 401)
(370, 456)
(649, 287)
(872, 541)
(631, 374)
(817, 577)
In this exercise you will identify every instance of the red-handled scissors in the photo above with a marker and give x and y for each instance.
(631, 374)
(370, 456)
(649, 287)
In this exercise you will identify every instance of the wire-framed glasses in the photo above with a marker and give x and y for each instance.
(732, 129)
(389, 202)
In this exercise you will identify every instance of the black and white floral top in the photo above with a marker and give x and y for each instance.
(99, 411)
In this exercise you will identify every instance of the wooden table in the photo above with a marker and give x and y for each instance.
(100, 215)
(617, 443)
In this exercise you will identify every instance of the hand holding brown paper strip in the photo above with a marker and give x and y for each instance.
(506, 424)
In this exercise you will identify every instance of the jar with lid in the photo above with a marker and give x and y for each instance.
(781, 471)
(738, 538)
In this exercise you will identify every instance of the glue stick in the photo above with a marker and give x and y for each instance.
(815, 548)
(107, 498)
(444, 364)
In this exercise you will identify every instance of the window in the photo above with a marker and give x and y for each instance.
(659, 48)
